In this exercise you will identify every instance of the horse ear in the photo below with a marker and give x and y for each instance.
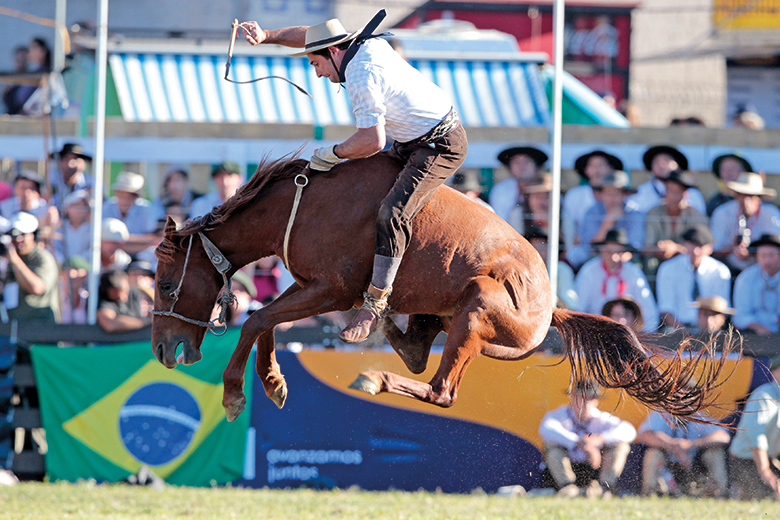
(170, 228)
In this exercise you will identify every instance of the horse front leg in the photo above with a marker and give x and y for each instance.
(294, 304)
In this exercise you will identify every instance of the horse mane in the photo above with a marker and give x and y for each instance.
(267, 173)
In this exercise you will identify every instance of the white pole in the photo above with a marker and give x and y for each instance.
(59, 45)
(555, 195)
(101, 64)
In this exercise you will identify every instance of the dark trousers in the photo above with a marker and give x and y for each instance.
(427, 165)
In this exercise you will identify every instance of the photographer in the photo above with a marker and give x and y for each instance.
(30, 291)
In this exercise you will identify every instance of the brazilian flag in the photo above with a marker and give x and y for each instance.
(109, 410)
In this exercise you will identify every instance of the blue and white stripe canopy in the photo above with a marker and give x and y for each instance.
(190, 88)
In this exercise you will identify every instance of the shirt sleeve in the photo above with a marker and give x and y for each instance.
(366, 91)
(616, 431)
(553, 429)
(743, 301)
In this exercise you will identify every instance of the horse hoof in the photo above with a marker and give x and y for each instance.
(232, 411)
(365, 384)
(280, 395)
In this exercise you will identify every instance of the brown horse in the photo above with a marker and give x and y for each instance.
(466, 272)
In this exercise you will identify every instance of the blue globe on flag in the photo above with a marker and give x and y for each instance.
(158, 422)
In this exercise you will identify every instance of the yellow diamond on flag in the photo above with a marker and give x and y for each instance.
(158, 417)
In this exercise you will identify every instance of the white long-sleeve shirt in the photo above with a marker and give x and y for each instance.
(561, 427)
(674, 285)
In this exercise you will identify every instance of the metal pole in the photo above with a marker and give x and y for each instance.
(59, 44)
(555, 195)
(101, 64)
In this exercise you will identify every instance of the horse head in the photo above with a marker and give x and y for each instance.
(186, 287)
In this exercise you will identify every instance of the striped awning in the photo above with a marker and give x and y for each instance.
(191, 88)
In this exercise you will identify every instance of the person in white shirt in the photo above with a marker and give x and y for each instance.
(390, 98)
(592, 167)
(755, 449)
(659, 162)
(567, 296)
(612, 275)
(133, 210)
(227, 179)
(27, 197)
(736, 223)
(757, 289)
(524, 164)
(583, 444)
(686, 277)
(74, 237)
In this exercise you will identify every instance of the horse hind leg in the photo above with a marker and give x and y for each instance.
(464, 343)
(414, 345)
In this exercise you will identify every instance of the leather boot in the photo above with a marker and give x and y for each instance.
(367, 318)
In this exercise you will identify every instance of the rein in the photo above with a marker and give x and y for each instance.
(233, 30)
(226, 298)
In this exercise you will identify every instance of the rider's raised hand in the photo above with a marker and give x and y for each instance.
(324, 159)
(253, 33)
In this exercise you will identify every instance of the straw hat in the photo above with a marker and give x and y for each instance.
(749, 183)
(114, 230)
(714, 303)
(324, 35)
(129, 182)
(617, 179)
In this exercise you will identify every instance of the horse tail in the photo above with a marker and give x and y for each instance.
(611, 354)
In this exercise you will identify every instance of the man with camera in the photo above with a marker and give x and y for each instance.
(31, 272)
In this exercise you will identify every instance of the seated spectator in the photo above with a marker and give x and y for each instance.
(74, 237)
(74, 291)
(713, 316)
(694, 453)
(659, 162)
(746, 116)
(266, 278)
(609, 212)
(755, 449)
(175, 192)
(244, 290)
(30, 291)
(534, 211)
(39, 60)
(626, 312)
(583, 444)
(119, 306)
(114, 238)
(727, 169)
(612, 275)
(524, 163)
(684, 278)
(567, 296)
(466, 181)
(757, 289)
(592, 167)
(735, 223)
(27, 197)
(136, 212)
(665, 223)
(227, 179)
(72, 164)
(140, 274)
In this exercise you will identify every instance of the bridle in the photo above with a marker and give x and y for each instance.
(225, 299)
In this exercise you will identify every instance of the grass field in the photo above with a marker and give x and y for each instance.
(68, 501)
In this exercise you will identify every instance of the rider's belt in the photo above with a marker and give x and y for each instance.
(444, 127)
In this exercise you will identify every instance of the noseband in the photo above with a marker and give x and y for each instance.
(226, 297)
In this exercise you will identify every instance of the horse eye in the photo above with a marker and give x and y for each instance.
(166, 288)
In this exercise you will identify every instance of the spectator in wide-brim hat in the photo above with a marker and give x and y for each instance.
(227, 178)
(726, 168)
(660, 161)
(612, 275)
(114, 237)
(130, 207)
(626, 312)
(713, 314)
(534, 211)
(592, 167)
(467, 182)
(737, 222)
(682, 279)
(175, 191)
(74, 236)
(757, 289)
(665, 223)
(524, 163)
(610, 211)
(72, 162)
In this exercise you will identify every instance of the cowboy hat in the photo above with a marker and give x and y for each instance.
(713, 303)
(766, 240)
(538, 156)
(683, 178)
(465, 180)
(699, 235)
(630, 303)
(749, 183)
(616, 236)
(324, 35)
(129, 182)
(582, 161)
(617, 179)
(75, 149)
(718, 160)
(671, 151)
